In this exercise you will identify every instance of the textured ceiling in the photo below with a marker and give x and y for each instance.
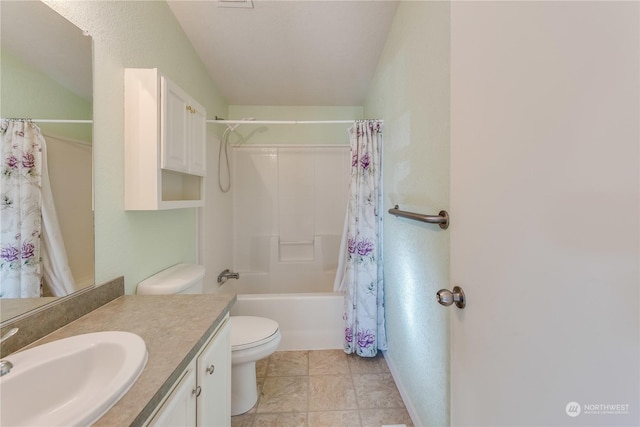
(289, 52)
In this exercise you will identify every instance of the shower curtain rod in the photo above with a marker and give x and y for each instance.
(281, 122)
(49, 120)
(60, 121)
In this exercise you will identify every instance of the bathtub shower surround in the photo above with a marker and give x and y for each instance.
(359, 274)
(289, 205)
(288, 209)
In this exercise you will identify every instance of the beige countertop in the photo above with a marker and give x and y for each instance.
(174, 328)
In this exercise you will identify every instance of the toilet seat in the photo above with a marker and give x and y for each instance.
(251, 331)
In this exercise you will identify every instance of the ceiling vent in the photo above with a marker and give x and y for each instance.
(236, 3)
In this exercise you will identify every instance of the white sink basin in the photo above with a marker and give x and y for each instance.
(72, 381)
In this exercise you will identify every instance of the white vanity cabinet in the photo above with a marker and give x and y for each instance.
(202, 397)
(165, 143)
(180, 408)
(213, 406)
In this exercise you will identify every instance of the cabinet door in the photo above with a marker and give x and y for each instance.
(197, 140)
(214, 378)
(180, 408)
(174, 134)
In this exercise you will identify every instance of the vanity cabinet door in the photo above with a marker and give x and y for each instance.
(180, 407)
(214, 378)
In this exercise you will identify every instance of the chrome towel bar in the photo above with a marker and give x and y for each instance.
(442, 218)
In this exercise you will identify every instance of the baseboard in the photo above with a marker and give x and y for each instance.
(408, 403)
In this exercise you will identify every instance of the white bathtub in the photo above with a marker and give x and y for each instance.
(307, 321)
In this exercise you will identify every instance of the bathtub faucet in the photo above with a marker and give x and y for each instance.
(227, 274)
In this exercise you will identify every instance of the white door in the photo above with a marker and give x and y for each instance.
(545, 213)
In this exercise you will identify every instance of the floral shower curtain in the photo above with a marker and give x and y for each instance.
(359, 273)
(21, 223)
(30, 238)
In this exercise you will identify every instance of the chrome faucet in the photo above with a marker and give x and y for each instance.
(227, 274)
(5, 365)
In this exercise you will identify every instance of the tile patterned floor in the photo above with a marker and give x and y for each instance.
(324, 388)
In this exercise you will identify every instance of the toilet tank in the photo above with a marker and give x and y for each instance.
(179, 279)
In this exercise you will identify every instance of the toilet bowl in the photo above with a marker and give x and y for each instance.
(252, 338)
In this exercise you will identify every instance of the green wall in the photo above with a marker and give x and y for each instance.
(144, 35)
(28, 93)
(411, 92)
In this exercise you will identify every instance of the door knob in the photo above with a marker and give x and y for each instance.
(447, 297)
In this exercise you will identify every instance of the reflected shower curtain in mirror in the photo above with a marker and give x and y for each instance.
(359, 273)
(30, 237)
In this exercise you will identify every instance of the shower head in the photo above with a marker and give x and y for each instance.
(231, 128)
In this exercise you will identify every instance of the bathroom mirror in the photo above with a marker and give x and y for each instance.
(46, 75)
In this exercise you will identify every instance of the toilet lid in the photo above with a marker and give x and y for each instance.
(246, 330)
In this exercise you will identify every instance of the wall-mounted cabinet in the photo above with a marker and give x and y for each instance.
(165, 143)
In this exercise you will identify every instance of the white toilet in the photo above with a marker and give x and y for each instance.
(252, 338)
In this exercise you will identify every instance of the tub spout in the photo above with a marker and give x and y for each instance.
(227, 274)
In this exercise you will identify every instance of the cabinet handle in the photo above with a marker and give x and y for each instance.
(197, 391)
(191, 109)
(211, 369)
